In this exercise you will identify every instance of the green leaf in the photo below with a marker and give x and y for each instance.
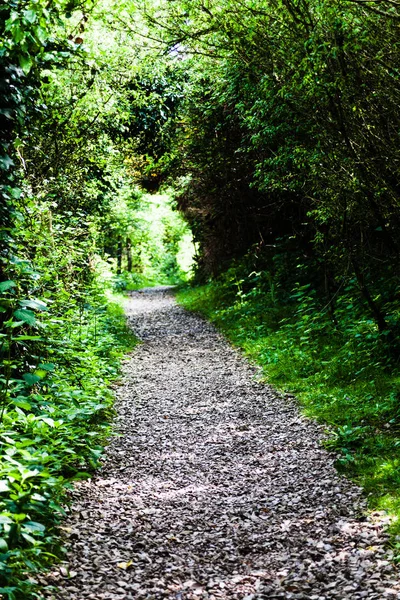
(41, 373)
(18, 33)
(27, 316)
(3, 546)
(38, 498)
(29, 16)
(47, 366)
(23, 338)
(26, 443)
(6, 162)
(5, 519)
(16, 193)
(30, 378)
(35, 304)
(25, 62)
(48, 421)
(28, 474)
(19, 517)
(48, 56)
(7, 285)
(22, 404)
(4, 487)
(41, 35)
(34, 527)
(29, 538)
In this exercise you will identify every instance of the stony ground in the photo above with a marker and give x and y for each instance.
(216, 488)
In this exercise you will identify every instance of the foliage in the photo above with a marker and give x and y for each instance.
(60, 337)
(55, 420)
(289, 130)
(73, 113)
(290, 156)
(147, 236)
(60, 344)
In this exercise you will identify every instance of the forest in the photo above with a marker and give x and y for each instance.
(246, 151)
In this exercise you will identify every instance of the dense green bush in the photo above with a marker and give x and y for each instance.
(288, 137)
(60, 344)
(55, 412)
(151, 239)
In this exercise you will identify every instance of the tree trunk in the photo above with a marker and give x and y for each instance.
(375, 309)
(330, 296)
(129, 254)
(119, 255)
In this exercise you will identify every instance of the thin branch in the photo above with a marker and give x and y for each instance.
(377, 11)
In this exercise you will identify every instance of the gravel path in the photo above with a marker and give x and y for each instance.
(217, 487)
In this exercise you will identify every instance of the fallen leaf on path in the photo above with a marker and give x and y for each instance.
(125, 565)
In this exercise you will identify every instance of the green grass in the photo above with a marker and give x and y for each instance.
(341, 377)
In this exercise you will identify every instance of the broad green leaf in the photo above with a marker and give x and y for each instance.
(30, 378)
(7, 285)
(41, 35)
(34, 527)
(16, 193)
(48, 421)
(25, 443)
(4, 486)
(47, 366)
(35, 304)
(48, 56)
(29, 16)
(29, 473)
(27, 316)
(18, 34)
(3, 546)
(6, 162)
(25, 62)
(38, 498)
(14, 16)
(29, 538)
(22, 404)
(19, 517)
(40, 373)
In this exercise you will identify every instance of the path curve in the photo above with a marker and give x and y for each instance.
(217, 487)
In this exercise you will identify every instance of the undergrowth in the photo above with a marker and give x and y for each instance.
(55, 414)
(342, 373)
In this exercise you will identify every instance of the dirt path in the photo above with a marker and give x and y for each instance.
(217, 488)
